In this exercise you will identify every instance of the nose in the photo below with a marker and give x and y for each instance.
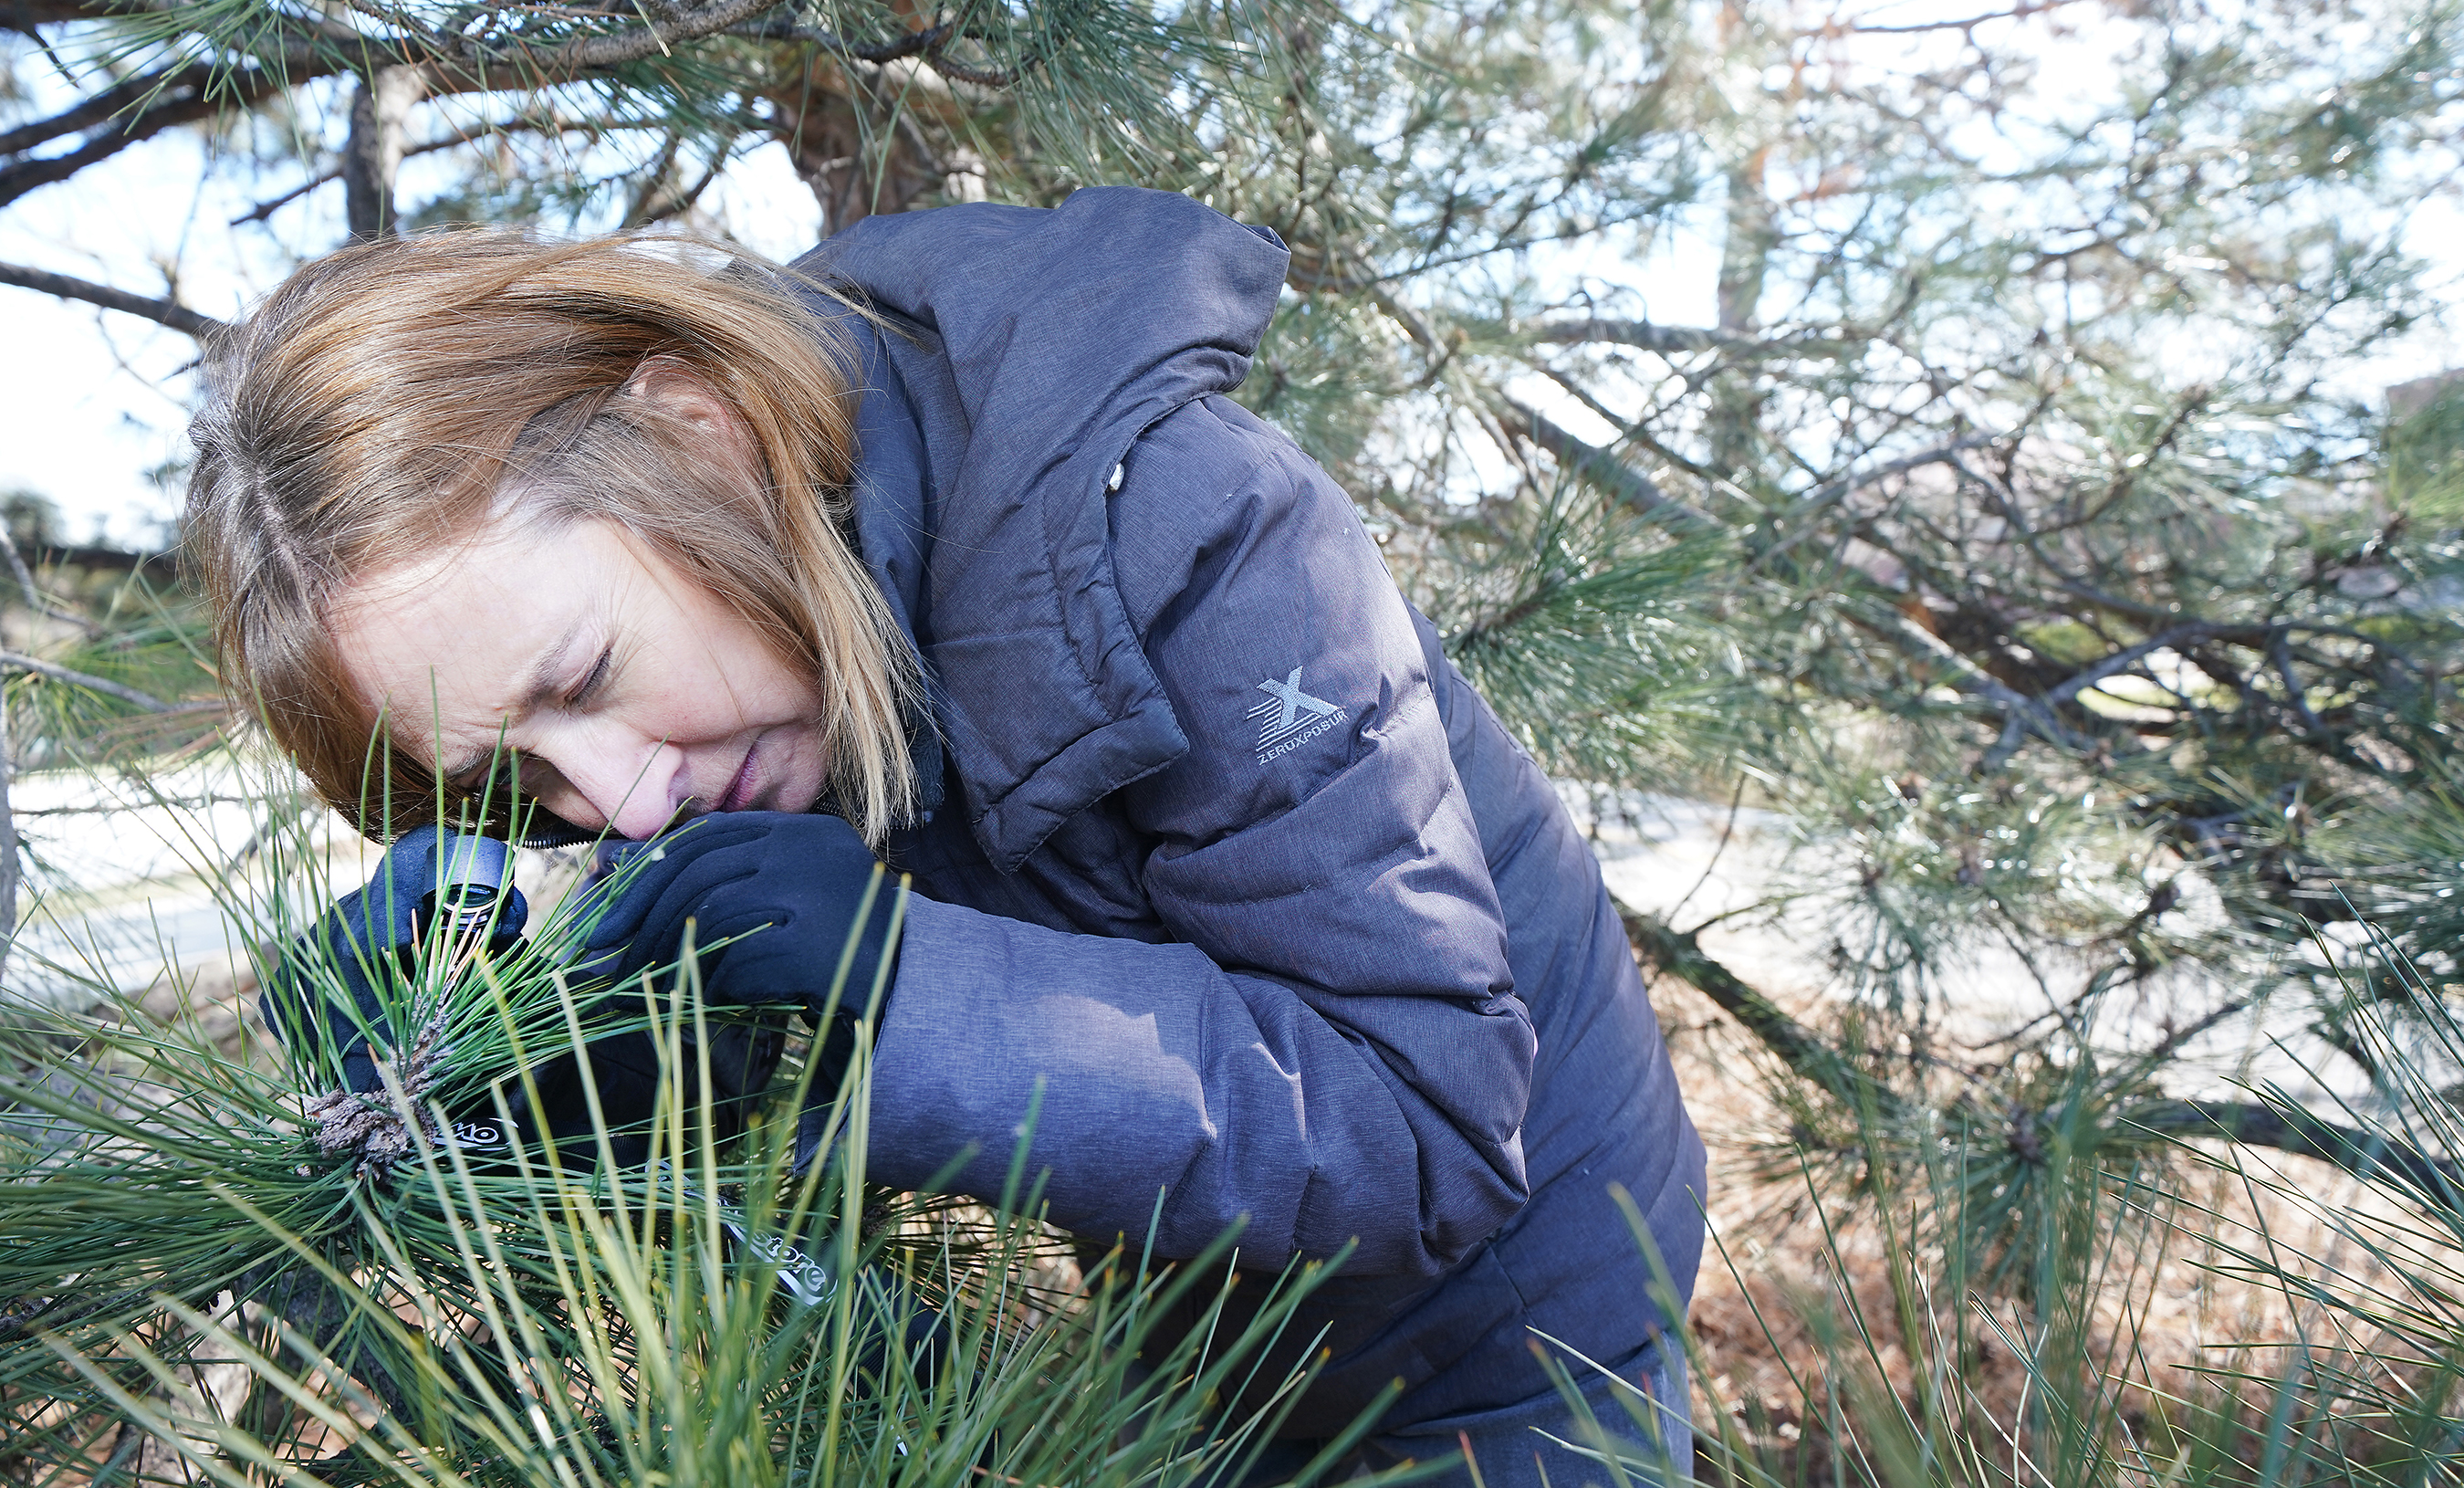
(611, 778)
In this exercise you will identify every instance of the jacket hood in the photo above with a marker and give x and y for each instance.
(1033, 347)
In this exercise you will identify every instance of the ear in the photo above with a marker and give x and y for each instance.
(667, 384)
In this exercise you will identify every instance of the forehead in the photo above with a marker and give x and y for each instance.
(448, 645)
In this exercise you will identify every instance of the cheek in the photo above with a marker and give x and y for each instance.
(568, 805)
(751, 693)
(786, 695)
(547, 784)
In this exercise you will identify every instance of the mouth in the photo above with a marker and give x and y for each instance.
(740, 788)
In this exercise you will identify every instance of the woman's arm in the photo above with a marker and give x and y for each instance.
(1335, 1051)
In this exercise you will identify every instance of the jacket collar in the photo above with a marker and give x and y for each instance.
(1029, 349)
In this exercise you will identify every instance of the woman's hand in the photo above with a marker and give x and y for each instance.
(784, 892)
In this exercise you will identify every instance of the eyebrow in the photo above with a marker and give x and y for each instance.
(541, 683)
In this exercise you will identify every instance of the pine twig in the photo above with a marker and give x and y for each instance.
(1805, 1052)
(35, 600)
(15, 661)
(162, 312)
(931, 39)
(1678, 340)
(1811, 1058)
(1597, 466)
(378, 1129)
(1603, 469)
(2363, 1154)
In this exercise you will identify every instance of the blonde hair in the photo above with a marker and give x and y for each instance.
(386, 399)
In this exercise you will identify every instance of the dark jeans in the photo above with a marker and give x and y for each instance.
(1511, 1444)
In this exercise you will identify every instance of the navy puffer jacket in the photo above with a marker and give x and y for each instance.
(1224, 853)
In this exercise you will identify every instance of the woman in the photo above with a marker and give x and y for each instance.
(1210, 841)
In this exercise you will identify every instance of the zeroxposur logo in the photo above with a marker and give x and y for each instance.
(1290, 718)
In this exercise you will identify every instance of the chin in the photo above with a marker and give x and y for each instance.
(801, 791)
(797, 801)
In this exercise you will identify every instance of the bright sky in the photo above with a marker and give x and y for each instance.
(91, 401)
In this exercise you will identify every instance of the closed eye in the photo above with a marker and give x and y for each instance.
(592, 684)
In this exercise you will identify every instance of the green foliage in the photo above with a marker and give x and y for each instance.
(1061, 91)
(2425, 458)
(1587, 629)
(465, 1310)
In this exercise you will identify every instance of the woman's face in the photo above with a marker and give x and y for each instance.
(633, 698)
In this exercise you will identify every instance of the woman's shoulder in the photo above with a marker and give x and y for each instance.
(1207, 480)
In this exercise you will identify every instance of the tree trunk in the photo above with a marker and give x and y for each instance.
(380, 104)
(1745, 255)
(1745, 262)
(860, 158)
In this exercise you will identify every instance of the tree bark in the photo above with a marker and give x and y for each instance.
(860, 160)
(380, 104)
(1745, 263)
(1805, 1052)
(1745, 255)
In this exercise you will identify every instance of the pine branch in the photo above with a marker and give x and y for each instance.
(35, 600)
(100, 106)
(14, 661)
(1813, 1058)
(2114, 665)
(1832, 490)
(169, 101)
(27, 14)
(293, 49)
(2021, 714)
(1805, 1052)
(22, 1316)
(458, 64)
(1675, 340)
(162, 312)
(1599, 468)
(319, 1313)
(1587, 462)
(24, 15)
(494, 129)
(915, 43)
(2363, 1154)
(2017, 13)
(21, 176)
(1520, 420)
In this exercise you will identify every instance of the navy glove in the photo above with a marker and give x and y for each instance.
(371, 934)
(368, 936)
(792, 885)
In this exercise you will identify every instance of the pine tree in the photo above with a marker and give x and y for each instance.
(2013, 532)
